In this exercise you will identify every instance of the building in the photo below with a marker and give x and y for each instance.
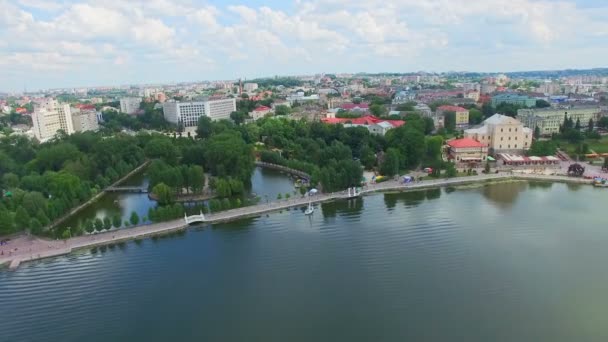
(473, 95)
(84, 119)
(548, 120)
(259, 112)
(467, 151)
(49, 117)
(462, 114)
(403, 96)
(502, 134)
(277, 103)
(188, 113)
(130, 105)
(160, 97)
(513, 99)
(249, 87)
(355, 107)
(372, 123)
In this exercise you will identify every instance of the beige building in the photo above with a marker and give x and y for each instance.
(259, 112)
(548, 120)
(49, 117)
(462, 114)
(502, 134)
(84, 120)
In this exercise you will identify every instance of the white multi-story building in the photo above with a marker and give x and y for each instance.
(188, 113)
(130, 105)
(247, 87)
(84, 120)
(51, 116)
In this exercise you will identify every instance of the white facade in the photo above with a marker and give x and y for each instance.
(250, 87)
(85, 120)
(188, 113)
(51, 116)
(130, 105)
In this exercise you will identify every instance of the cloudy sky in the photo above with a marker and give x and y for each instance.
(55, 43)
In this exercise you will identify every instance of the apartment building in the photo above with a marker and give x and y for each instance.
(49, 117)
(130, 105)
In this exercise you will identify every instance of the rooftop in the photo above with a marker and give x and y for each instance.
(452, 109)
(465, 143)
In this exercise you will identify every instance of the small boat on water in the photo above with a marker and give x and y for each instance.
(310, 210)
(600, 182)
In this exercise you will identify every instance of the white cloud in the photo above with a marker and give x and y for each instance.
(311, 35)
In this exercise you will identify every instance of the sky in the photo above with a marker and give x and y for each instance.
(85, 43)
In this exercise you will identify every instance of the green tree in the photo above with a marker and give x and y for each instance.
(98, 224)
(35, 226)
(226, 205)
(107, 223)
(536, 132)
(450, 170)
(134, 219)
(577, 126)
(22, 219)
(204, 128)
(390, 165)
(590, 126)
(281, 110)
(279, 197)
(89, 226)
(542, 104)
(116, 221)
(475, 116)
(287, 195)
(449, 121)
(163, 193)
(367, 157)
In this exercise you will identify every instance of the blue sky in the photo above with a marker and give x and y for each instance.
(54, 43)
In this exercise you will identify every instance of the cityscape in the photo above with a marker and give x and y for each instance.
(288, 187)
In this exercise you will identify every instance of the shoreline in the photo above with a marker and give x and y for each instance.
(41, 248)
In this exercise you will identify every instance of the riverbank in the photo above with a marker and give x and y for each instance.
(28, 248)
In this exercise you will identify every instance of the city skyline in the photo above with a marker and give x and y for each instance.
(57, 44)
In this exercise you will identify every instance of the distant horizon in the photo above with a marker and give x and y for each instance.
(29, 91)
(46, 44)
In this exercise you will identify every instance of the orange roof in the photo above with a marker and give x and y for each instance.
(465, 143)
(452, 109)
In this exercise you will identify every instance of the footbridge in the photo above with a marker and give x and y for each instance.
(133, 189)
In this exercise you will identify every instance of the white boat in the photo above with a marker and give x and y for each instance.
(310, 209)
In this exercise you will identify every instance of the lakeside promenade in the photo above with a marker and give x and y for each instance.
(28, 248)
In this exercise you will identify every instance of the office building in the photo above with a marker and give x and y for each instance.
(548, 120)
(513, 99)
(188, 113)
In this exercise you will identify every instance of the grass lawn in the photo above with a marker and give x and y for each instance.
(599, 146)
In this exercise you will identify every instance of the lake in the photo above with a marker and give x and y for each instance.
(503, 262)
(265, 183)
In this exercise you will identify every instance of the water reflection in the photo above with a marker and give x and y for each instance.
(410, 199)
(504, 195)
(352, 207)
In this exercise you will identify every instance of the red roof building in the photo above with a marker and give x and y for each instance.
(467, 151)
(455, 109)
(363, 121)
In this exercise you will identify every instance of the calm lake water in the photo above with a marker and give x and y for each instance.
(505, 262)
(264, 183)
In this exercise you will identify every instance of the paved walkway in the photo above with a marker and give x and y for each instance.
(26, 248)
